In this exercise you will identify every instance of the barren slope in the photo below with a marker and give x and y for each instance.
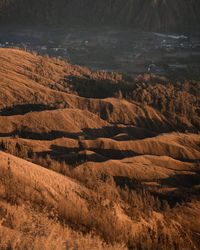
(31, 91)
(178, 146)
(143, 168)
(112, 167)
(61, 121)
(43, 185)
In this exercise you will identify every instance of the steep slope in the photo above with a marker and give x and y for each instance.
(24, 188)
(148, 101)
(61, 121)
(35, 191)
(43, 185)
(178, 146)
(67, 147)
(101, 169)
(26, 228)
(143, 168)
(145, 14)
(36, 79)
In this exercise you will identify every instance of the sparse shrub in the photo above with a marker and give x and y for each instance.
(12, 189)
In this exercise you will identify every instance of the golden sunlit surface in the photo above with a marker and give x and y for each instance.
(99, 138)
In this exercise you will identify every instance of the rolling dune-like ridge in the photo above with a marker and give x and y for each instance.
(96, 160)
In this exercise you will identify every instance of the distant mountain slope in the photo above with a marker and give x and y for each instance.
(144, 14)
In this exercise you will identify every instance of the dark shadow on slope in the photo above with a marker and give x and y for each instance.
(155, 125)
(92, 88)
(188, 160)
(71, 156)
(119, 133)
(113, 132)
(77, 155)
(178, 196)
(63, 151)
(114, 153)
(181, 181)
(124, 181)
(24, 109)
(52, 135)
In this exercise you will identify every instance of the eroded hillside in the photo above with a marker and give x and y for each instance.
(101, 159)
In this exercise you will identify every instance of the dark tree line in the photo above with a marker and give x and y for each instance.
(179, 101)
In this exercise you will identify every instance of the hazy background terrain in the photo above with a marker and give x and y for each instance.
(111, 49)
(133, 36)
(99, 124)
(140, 14)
